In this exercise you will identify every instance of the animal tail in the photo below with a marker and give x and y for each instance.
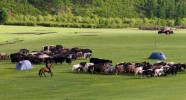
(40, 71)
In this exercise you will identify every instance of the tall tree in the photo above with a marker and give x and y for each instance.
(170, 13)
(3, 17)
(161, 9)
(184, 9)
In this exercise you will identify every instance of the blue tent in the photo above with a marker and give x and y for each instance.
(158, 56)
(24, 65)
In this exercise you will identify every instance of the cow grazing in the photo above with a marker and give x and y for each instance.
(103, 68)
(24, 51)
(159, 72)
(87, 55)
(4, 56)
(138, 70)
(16, 57)
(171, 70)
(79, 55)
(99, 60)
(68, 61)
(120, 69)
(59, 58)
(147, 73)
(78, 67)
(33, 59)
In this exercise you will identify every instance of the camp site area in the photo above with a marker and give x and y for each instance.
(118, 45)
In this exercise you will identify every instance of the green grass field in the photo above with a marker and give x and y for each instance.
(118, 45)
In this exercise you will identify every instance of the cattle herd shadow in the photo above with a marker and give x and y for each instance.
(31, 76)
(33, 33)
(13, 41)
(10, 68)
(87, 33)
(90, 35)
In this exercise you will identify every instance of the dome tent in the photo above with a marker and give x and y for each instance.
(24, 65)
(158, 56)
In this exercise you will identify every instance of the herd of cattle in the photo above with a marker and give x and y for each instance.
(145, 69)
(52, 53)
(59, 54)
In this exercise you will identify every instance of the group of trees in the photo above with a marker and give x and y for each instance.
(165, 9)
(93, 13)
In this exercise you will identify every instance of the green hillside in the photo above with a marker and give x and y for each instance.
(95, 13)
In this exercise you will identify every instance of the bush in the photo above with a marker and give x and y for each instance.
(21, 23)
(89, 22)
(178, 21)
(40, 18)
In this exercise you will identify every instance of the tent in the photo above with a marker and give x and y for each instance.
(158, 56)
(24, 65)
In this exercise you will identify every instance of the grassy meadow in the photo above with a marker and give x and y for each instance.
(118, 45)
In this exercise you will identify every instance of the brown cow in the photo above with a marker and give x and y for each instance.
(79, 55)
(3, 57)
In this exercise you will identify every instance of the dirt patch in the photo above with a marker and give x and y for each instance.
(13, 41)
(89, 32)
(41, 30)
(45, 33)
(34, 33)
(24, 33)
(89, 35)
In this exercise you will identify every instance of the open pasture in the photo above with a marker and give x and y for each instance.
(118, 45)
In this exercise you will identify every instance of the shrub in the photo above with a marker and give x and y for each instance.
(178, 21)
(40, 18)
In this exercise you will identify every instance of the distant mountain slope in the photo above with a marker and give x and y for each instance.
(18, 7)
(95, 13)
(101, 8)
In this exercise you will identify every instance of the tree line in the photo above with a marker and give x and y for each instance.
(94, 13)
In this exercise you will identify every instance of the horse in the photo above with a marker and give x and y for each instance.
(44, 69)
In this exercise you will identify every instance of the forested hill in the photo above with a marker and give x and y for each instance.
(101, 8)
(82, 11)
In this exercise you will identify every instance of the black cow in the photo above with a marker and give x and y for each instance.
(24, 51)
(147, 73)
(59, 58)
(99, 60)
(103, 68)
(171, 71)
(86, 50)
(59, 47)
(49, 60)
(68, 60)
(33, 59)
(16, 57)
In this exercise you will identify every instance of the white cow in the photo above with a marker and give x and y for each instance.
(138, 70)
(159, 72)
(87, 65)
(76, 68)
